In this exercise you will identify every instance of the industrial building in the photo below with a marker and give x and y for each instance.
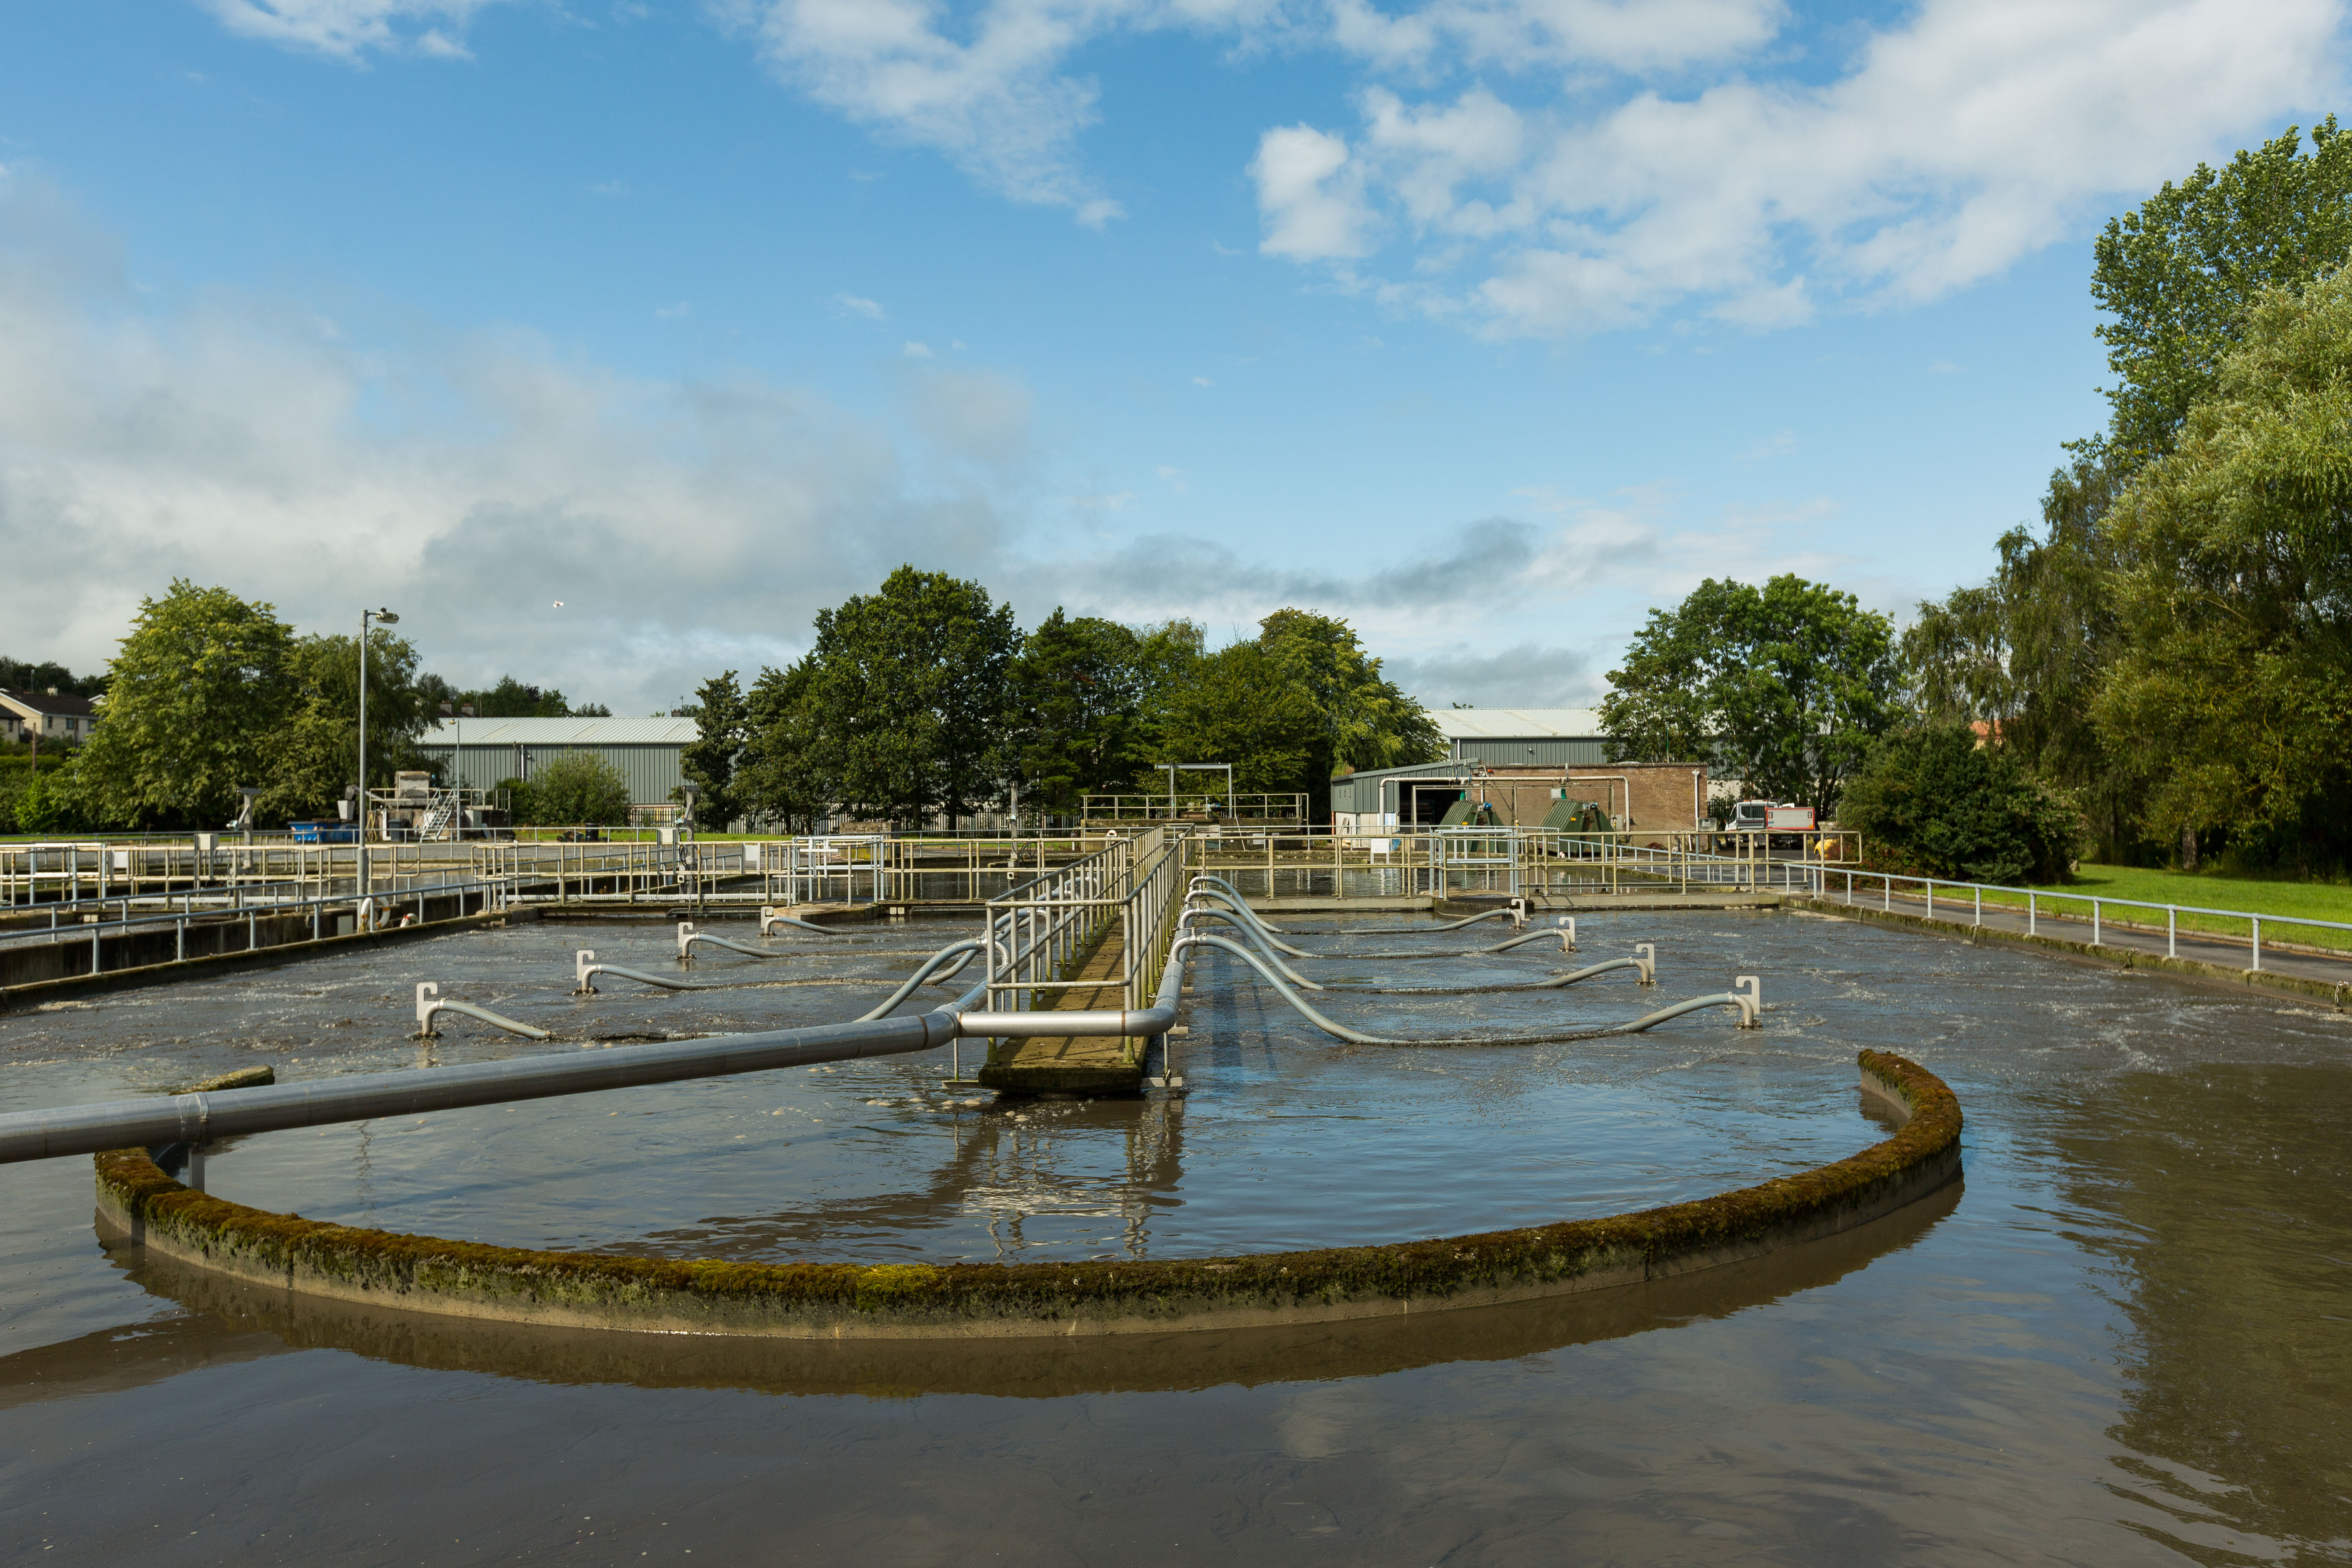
(1520, 762)
(482, 753)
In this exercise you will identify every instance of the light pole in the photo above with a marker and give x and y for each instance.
(388, 618)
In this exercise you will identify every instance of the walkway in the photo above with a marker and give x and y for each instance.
(1074, 1064)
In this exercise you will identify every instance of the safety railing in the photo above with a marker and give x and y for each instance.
(1043, 931)
(377, 910)
(2037, 902)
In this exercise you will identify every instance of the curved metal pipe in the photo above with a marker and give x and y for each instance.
(1644, 965)
(1200, 877)
(687, 936)
(1156, 1019)
(1184, 923)
(1748, 1002)
(1242, 915)
(772, 916)
(1565, 931)
(426, 1007)
(962, 952)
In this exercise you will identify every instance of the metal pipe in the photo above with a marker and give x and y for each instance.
(200, 1119)
(426, 1007)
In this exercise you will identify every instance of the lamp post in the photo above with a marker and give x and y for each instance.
(389, 619)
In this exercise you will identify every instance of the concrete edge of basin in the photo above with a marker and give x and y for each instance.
(840, 1300)
(2337, 994)
(205, 965)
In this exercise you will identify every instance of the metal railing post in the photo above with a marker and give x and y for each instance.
(2258, 940)
(2031, 928)
(2171, 930)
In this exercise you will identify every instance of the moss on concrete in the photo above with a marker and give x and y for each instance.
(835, 1299)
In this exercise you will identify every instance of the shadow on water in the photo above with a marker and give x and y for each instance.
(229, 1320)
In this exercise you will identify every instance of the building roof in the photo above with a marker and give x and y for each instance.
(61, 706)
(561, 732)
(1516, 723)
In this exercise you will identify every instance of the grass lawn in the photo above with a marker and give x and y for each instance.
(2207, 890)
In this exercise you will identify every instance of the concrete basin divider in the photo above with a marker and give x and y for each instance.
(837, 1300)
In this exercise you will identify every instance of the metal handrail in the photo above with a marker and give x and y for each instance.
(2033, 897)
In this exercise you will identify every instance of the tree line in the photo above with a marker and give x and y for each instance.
(2162, 671)
(209, 692)
(924, 701)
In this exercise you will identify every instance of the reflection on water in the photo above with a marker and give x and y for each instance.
(2125, 1343)
(2224, 1190)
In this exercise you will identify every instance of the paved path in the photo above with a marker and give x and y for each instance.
(2202, 947)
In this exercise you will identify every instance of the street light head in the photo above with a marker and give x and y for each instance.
(387, 618)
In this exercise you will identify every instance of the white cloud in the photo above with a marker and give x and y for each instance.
(993, 101)
(673, 312)
(1968, 136)
(1309, 195)
(688, 525)
(916, 350)
(860, 307)
(349, 28)
(1636, 36)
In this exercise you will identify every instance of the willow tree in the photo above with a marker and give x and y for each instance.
(2231, 695)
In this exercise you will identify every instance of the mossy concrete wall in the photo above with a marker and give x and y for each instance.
(821, 1301)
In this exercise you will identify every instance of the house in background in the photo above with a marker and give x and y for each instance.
(26, 715)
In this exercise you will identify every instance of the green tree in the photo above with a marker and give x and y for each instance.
(1368, 722)
(510, 699)
(2024, 653)
(2178, 272)
(779, 778)
(197, 695)
(711, 760)
(1933, 800)
(315, 754)
(1239, 706)
(1787, 686)
(580, 789)
(46, 675)
(909, 696)
(1078, 698)
(2230, 697)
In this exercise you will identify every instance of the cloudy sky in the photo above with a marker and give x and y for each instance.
(1489, 324)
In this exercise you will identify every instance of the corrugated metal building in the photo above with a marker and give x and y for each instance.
(485, 752)
(1547, 737)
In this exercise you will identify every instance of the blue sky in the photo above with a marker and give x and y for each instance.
(1489, 324)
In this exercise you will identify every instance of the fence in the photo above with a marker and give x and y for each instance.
(1042, 931)
(2038, 899)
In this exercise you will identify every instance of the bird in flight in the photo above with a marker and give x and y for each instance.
(559, 604)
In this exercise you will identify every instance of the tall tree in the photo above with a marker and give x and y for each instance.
(315, 754)
(1238, 705)
(2023, 654)
(1367, 722)
(781, 778)
(197, 696)
(2178, 272)
(711, 758)
(1787, 685)
(909, 692)
(1077, 698)
(2233, 693)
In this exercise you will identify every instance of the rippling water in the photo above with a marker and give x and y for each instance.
(2126, 1341)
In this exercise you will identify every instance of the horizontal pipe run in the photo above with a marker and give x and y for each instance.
(200, 1119)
